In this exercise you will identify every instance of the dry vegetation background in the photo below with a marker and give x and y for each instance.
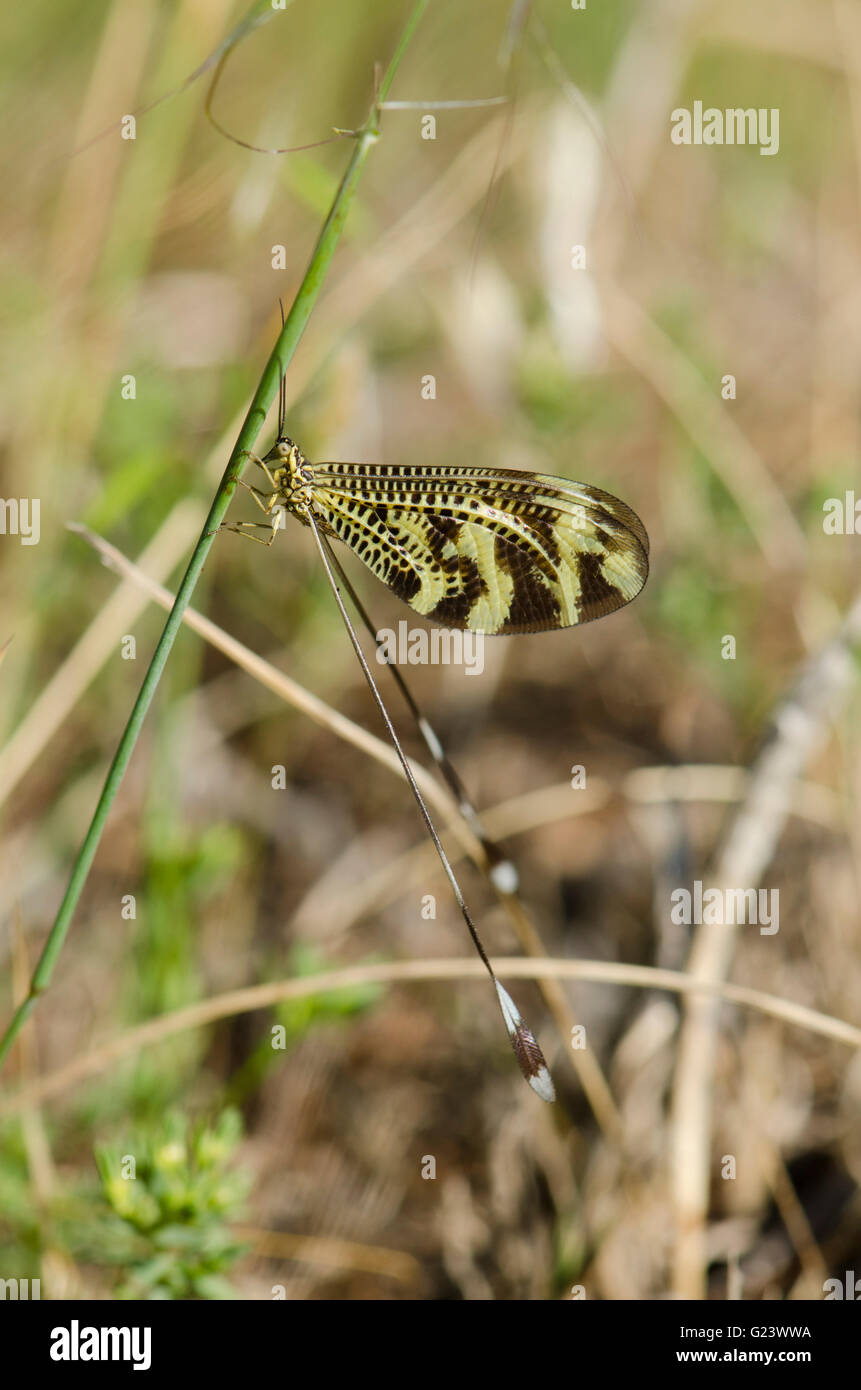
(153, 258)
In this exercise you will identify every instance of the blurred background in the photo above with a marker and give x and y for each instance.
(703, 364)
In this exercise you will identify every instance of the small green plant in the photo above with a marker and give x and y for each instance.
(171, 1195)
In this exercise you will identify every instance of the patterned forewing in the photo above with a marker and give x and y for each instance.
(495, 551)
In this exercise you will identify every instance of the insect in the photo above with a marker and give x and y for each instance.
(495, 551)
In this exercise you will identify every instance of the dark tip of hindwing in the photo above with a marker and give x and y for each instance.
(529, 1056)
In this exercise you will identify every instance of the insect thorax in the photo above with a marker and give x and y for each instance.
(292, 475)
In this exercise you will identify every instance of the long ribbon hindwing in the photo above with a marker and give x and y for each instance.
(491, 550)
(494, 550)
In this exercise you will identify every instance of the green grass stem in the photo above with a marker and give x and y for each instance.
(281, 355)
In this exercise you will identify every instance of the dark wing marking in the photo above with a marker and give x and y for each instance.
(492, 550)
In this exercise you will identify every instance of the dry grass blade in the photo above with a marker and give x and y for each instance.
(799, 727)
(156, 1030)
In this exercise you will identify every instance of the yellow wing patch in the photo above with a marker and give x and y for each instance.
(494, 551)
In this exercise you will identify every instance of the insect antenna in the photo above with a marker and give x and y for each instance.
(282, 388)
(503, 872)
(529, 1055)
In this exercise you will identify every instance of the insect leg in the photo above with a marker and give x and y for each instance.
(256, 494)
(255, 458)
(241, 529)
